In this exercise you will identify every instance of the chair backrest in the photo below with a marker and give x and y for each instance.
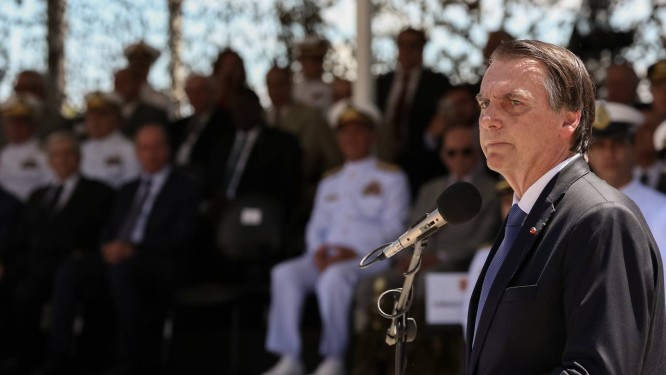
(252, 228)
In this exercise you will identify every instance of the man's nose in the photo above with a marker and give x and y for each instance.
(489, 119)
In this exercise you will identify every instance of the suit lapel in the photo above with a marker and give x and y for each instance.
(532, 229)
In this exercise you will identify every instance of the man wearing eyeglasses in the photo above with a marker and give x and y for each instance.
(452, 247)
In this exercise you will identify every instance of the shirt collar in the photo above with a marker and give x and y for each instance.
(157, 178)
(359, 164)
(111, 137)
(68, 183)
(533, 192)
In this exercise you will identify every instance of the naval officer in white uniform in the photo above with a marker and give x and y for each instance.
(358, 207)
(310, 87)
(611, 156)
(107, 155)
(23, 165)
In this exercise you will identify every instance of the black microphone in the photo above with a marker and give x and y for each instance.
(458, 203)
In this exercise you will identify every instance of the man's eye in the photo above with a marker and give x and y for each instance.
(515, 102)
(483, 105)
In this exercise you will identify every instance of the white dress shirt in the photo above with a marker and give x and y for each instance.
(532, 193)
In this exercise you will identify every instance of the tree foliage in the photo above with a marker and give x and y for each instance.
(263, 32)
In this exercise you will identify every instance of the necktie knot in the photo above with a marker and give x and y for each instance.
(54, 198)
(516, 216)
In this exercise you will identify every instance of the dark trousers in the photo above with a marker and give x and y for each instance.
(80, 288)
(71, 285)
(142, 288)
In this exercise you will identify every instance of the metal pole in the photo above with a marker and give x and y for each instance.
(364, 88)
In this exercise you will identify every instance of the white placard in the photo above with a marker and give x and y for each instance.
(445, 292)
(251, 216)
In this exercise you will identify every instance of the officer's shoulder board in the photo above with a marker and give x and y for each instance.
(388, 167)
(332, 171)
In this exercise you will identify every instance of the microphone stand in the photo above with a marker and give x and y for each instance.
(403, 328)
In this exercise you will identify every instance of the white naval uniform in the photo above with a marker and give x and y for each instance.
(653, 206)
(362, 206)
(111, 160)
(23, 167)
(315, 93)
(653, 173)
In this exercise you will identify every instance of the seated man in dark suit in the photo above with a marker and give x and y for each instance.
(149, 229)
(193, 140)
(10, 209)
(56, 252)
(255, 159)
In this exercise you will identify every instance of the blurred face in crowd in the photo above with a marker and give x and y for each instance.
(246, 111)
(521, 135)
(356, 140)
(312, 66)
(100, 123)
(621, 84)
(199, 92)
(611, 158)
(140, 64)
(459, 105)
(30, 82)
(19, 129)
(229, 70)
(459, 151)
(152, 148)
(341, 88)
(127, 85)
(278, 84)
(410, 49)
(64, 156)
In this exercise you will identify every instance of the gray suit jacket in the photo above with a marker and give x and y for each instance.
(456, 244)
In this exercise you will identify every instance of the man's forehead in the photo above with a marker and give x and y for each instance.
(512, 77)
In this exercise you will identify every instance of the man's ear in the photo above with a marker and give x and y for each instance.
(570, 123)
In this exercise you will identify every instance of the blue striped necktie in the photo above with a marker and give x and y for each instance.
(513, 224)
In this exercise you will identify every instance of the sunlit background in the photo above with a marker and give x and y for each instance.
(98, 30)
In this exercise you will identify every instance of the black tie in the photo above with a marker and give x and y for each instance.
(125, 233)
(53, 197)
(644, 178)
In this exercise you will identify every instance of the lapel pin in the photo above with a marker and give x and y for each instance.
(533, 231)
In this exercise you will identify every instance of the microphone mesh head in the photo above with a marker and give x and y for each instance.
(459, 202)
